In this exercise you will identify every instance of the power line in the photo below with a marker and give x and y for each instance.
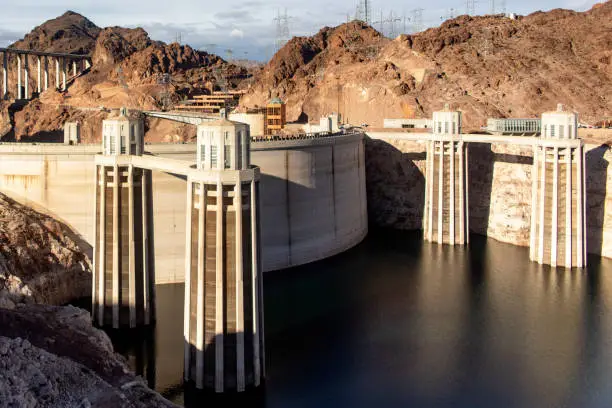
(417, 20)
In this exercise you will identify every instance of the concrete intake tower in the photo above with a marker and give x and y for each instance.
(558, 212)
(223, 328)
(446, 191)
(123, 274)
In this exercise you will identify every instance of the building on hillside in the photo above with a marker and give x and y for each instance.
(211, 104)
(514, 126)
(327, 124)
(405, 123)
(276, 117)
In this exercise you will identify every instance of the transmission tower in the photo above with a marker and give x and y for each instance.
(164, 96)
(393, 18)
(470, 7)
(498, 6)
(282, 29)
(364, 11)
(417, 20)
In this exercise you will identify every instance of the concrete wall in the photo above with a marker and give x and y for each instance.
(312, 191)
(499, 189)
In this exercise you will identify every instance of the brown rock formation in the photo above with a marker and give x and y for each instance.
(484, 66)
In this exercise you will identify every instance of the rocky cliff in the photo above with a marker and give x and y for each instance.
(486, 66)
(41, 259)
(499, 190)
(53, 357)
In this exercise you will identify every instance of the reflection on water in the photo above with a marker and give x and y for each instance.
(397, 322)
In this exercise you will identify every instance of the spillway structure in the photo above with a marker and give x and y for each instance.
(558, 212)
(223, 327)
(446, 183)
(123, 289)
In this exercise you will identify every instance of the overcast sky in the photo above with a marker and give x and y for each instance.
(246, 27)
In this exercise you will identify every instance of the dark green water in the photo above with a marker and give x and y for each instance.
(396, 322)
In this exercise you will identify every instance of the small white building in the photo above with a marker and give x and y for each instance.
(559, 124)
(447, 122)
(72, 133)
(405, 123)
(123, 134)
(329, 123)
(223, 144)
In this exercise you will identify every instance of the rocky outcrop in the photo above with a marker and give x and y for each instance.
(53, 357)
(499, 190)
(69, 33)
(41, 259)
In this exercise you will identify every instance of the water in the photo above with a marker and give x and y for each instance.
(396, 322)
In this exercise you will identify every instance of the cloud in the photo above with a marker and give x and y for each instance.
(236, 33)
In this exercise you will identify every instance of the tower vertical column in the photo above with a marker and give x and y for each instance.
(558, 234)
(57, 74)
(223, 302)
(123, 275)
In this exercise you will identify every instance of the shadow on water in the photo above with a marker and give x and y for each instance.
(596, 186)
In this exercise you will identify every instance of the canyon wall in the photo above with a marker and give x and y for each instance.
(499, 190)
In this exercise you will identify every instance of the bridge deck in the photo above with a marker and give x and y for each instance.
(45, 54)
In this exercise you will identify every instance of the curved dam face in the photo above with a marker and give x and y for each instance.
(312, 192)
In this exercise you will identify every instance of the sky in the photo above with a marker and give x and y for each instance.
(247, 28)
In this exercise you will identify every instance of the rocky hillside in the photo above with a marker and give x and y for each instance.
(128, 68)
(41, 259)
(53, 357)
(485, 66)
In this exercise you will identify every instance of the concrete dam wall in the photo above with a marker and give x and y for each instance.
(500, 188)
(313, 196)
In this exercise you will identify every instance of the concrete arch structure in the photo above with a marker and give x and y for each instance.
(313, 197)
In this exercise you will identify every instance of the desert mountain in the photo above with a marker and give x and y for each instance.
(485, 66)
(127, 71)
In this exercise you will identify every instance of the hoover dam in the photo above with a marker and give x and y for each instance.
(313, 196)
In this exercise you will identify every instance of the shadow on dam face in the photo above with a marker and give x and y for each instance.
(596, 189)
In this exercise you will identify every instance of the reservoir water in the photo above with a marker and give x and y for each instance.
(396, 322)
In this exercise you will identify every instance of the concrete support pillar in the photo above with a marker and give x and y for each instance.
(4, 75)
(223, 293)
(19, 95)
(446, 192)
(558, 218)
(123, 292)
(46, 76)
(26, 76)
(87, 64)
(74, 68)
(38, 76)
(57, 74)
(63, 74)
